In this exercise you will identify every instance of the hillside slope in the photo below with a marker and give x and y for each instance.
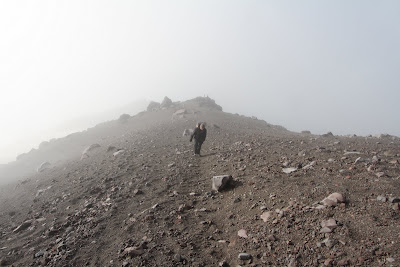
(152, 204)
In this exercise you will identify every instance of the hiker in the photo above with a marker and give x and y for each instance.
(199, 135)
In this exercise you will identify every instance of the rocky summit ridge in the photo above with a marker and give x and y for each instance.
(130, 193)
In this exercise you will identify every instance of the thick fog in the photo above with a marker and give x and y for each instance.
(315, 65)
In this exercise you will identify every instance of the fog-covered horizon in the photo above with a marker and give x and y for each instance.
(65, 127)
(319, 66)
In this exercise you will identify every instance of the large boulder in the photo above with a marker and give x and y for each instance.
(328, 134)
(44, 166)
(86, 152)
(153, 106)
(43, 144)
(124, 118)
(166, 103)
(179, 114)
(221, 182)
(207, 102)
(119, 152)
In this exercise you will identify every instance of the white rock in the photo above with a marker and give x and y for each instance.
(220, 182)
(85, 153)
(309, 165)
(242, 233)
(118, 152)
(179, 112)
(325, 230)
(265, 216)
(359, 159)
(44, 166)
(330, 223)
(289, 170)
(333, 199)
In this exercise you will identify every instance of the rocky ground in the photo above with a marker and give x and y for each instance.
(143, 199)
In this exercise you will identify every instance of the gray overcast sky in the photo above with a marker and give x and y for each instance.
(306, 65)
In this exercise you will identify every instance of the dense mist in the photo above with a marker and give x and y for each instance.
(320, 66)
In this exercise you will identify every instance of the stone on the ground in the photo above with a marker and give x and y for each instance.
(330, 223)
(220, 182)
(178, 257)
(344, 262)
(289, 170)
(25, 225)
(333, 199)
(133, 251)
(381, 198)
(325, 230)
(137, 192)
(292, 262)
(85, 153)
(44, 166)
(329, 242)
(40, 254)
(118, 152)
(265, 216)
(179, 112)
(244, 256)
(359, 159)
(309, 165)
(242, 233)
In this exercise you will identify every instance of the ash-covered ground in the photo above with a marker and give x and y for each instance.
(141, 198)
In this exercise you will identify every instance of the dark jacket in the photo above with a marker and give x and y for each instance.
(199, 135)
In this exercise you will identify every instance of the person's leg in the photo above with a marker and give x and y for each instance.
(195, 146)
(199, 148)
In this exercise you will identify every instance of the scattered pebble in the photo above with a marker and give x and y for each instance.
(244, 256)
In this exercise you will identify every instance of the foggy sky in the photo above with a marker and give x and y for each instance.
(306, 65)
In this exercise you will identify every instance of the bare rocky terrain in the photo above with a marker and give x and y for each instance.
(140, 197)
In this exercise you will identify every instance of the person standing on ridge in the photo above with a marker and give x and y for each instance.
(199, 135)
